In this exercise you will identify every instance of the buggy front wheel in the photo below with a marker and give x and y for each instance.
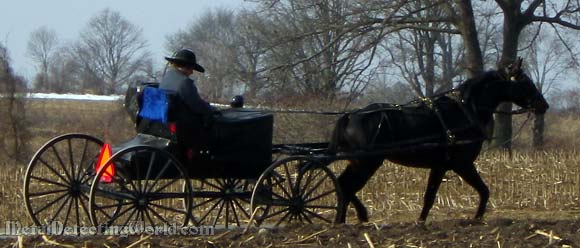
(297, 190)
(147, 184)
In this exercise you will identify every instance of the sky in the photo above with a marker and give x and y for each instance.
(18, 18)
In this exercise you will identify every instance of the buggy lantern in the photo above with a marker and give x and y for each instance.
(104, 156)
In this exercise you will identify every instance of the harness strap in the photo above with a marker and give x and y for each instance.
(448, 133)
(469, 115)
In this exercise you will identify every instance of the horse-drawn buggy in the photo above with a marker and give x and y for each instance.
(235, 175)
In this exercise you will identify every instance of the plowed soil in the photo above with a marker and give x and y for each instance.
(500, 229)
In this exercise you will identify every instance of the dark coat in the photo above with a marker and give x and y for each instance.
(185, 88)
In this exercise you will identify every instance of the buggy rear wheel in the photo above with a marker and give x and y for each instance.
(297, 190)
(221, 201)
(148, 185)
(56, 181)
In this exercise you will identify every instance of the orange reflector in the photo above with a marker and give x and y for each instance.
(103, 158)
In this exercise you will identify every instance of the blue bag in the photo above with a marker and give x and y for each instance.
(155, 105)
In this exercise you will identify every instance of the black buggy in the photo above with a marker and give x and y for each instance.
(233, 178)
(232, 174)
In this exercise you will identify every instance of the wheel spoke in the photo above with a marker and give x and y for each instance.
(70, 203)
(242, 208)
(204, 181)
(275, 213)
(87, 176)
(158, 215)
(128, 218)
(114, 205)
(77, 212)
(306, 217)
(121, 179)
(100, 210)
(84, 154)
(210, 209)
(168, 209)
(234, 212)
(167, 184)
(289, 179)
(53, 170)
(317, 216)
(61, 163)
(227, 205)
(49, 181)
(159, 175)
(320, 196)
(50, 204)
(205, 202)
(148, 173)
(282, 219)
(320, 207)
(280, 185)
(317, 185)
(219, 212)
(47, 192)
(58, 210)
(310, 178)
(70, 158)
(84, 207)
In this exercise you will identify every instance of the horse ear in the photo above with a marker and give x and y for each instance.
(519, 62)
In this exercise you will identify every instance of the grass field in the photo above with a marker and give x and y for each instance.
(531, 180)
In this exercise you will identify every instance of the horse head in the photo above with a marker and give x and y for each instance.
(522, 90)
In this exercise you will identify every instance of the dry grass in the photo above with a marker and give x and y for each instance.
(528, 180)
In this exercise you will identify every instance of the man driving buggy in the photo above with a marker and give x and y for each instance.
(176, 79)
(194, 114)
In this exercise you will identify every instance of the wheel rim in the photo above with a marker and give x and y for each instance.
(221, 202)
(149, 191)
(297, 190)
(56, 180)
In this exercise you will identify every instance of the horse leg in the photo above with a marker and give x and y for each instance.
(472, 177)
(353, 179)
(361, 211)
(435, 178)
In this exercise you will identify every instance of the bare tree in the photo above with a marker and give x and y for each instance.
(547, 62)
(426, 60)
(13, 132)
(65, 72)
(322, 48)
(111, 49)
(41, 47)
(213, 39)
(518, 15)
(250, 53)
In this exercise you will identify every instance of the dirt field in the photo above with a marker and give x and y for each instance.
(500, 229)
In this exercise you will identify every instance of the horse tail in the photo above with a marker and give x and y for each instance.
(337, 138)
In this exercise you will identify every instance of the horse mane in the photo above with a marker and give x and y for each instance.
(475, 84)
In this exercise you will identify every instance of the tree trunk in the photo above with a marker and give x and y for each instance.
(538, 131)
(466, 24)
(512, 28)
(502, 128)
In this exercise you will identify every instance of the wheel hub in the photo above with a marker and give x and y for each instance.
(297, 205)
(75, 188)
(141, 203)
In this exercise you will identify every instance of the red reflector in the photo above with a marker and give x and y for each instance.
(104, 156)
(172, 127)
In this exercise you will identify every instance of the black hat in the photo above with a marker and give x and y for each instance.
(185, 57)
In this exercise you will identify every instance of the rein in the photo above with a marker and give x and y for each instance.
(516, 135)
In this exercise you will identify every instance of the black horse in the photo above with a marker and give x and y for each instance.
(442, 133)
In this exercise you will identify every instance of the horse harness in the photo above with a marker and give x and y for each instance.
(429, 102)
